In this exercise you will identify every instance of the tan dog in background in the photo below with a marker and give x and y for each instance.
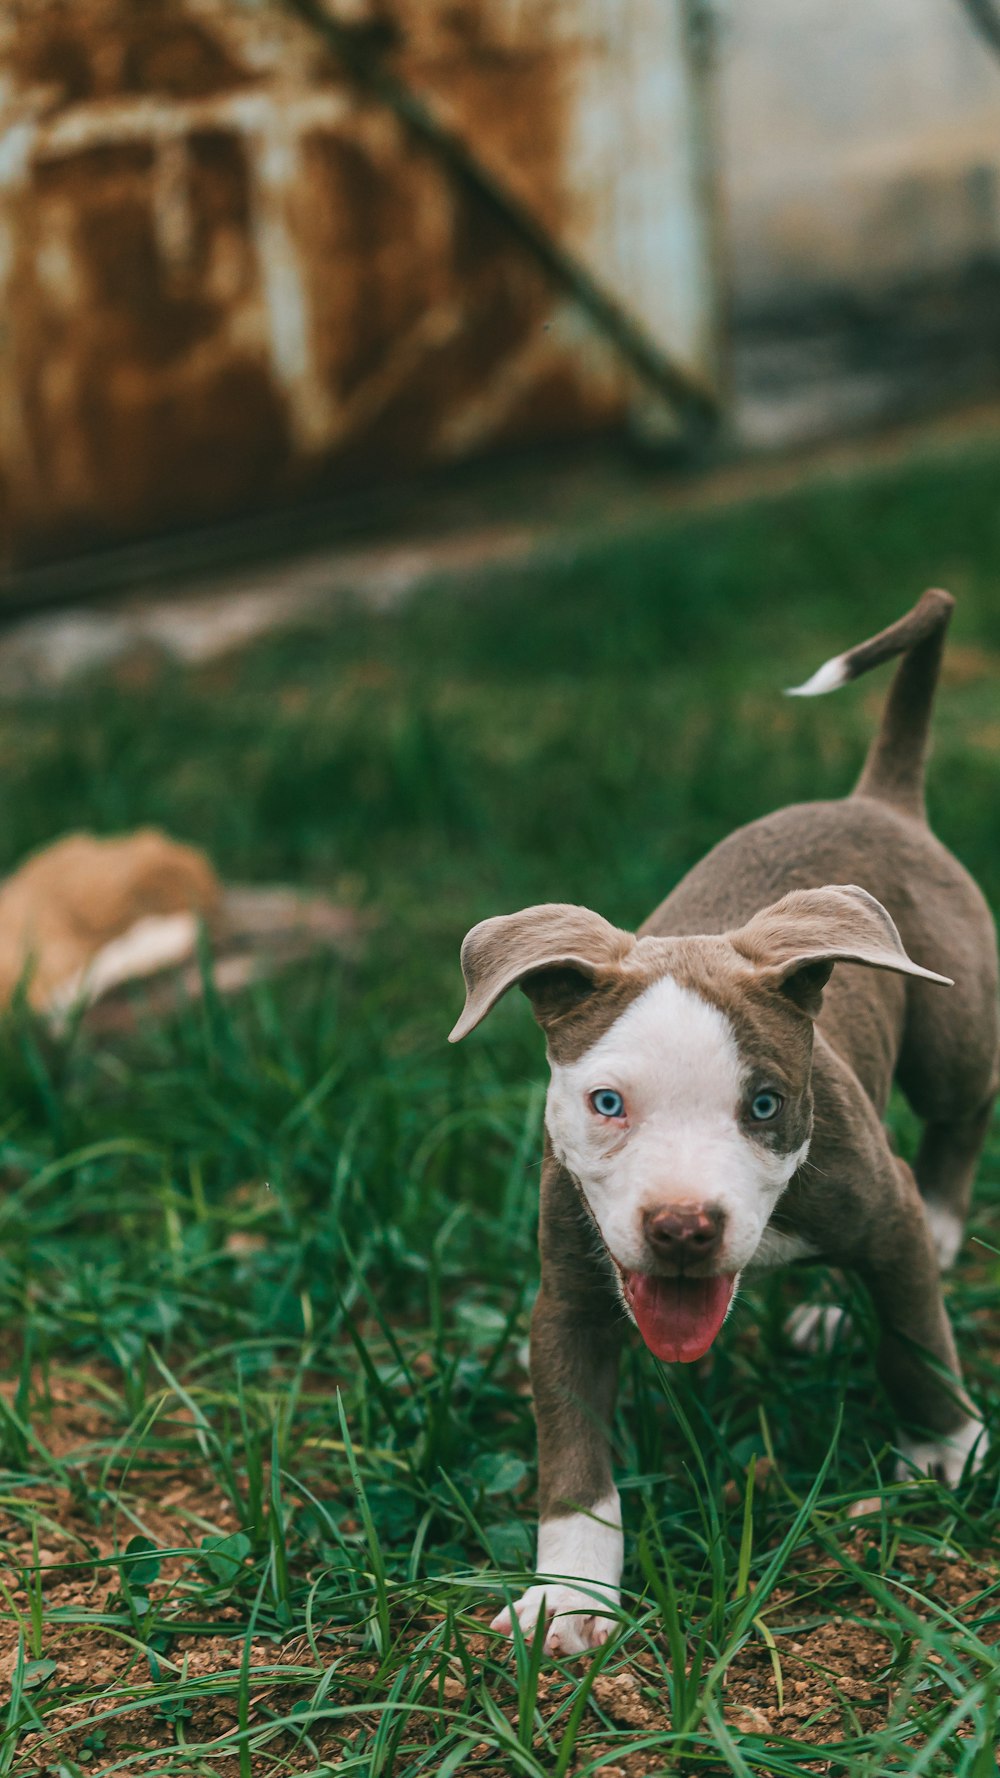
(63, 910)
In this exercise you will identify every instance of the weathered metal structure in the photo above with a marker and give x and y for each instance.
(250, 248)
(235, 264)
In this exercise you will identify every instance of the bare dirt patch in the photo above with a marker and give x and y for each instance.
(106, 1689)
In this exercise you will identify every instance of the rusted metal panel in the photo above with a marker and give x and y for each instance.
(228, 270)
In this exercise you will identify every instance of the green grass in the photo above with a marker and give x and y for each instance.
(267, 1451)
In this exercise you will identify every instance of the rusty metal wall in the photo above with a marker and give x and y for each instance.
(228, 272)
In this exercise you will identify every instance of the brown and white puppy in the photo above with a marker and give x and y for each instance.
(718, 1086)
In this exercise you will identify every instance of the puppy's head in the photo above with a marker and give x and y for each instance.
(680, 1100)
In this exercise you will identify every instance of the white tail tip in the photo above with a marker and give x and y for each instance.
(829, 677)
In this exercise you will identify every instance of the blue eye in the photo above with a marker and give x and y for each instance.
(608, 1103)
(765, 1106)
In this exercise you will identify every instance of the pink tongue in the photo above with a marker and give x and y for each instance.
(678, 1317)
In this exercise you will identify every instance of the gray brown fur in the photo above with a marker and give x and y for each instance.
(895, 768)
(854, 1201)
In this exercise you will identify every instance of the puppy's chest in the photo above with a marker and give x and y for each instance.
(780, 1247)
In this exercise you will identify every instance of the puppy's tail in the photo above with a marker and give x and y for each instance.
(894, 769)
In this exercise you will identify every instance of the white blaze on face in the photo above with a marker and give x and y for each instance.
(676, 1062)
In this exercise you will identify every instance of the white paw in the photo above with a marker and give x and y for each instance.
(576, 1621)
(946, 1233)
(814, 1327)
(582, 1551)
(944, 1458)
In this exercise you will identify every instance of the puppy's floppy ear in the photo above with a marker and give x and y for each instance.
(554, 951)
(794, 944)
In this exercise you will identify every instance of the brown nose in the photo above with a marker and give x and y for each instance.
(684, 1233)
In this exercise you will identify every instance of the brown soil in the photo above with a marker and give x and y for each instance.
(826, 1680)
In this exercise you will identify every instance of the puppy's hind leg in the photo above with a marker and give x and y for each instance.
(949, 1062)
(945, 1169)
(941, 1433)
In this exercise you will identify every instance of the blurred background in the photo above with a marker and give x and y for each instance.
(432, 433)
(259, 253)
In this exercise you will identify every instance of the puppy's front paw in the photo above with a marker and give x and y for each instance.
(944, 1458)
(576, 1621)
